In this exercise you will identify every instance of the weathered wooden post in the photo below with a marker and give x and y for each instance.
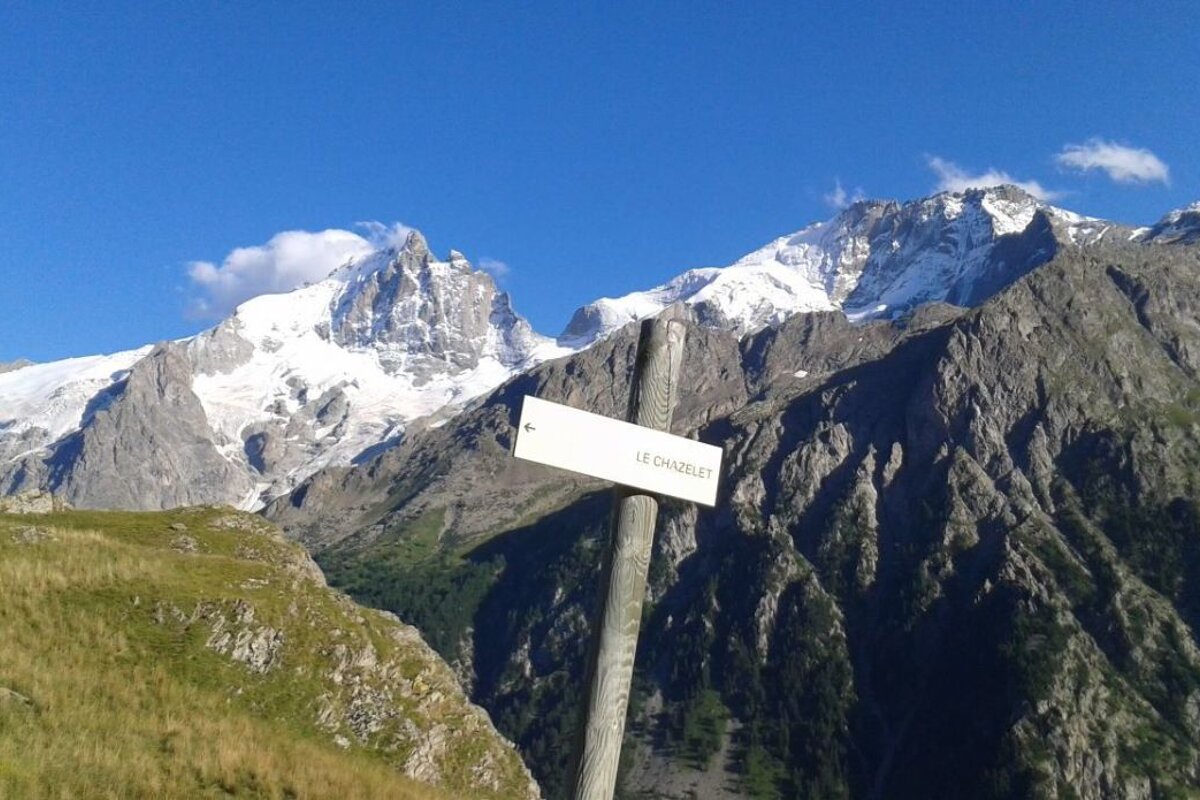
(653, 394)
(645, 460)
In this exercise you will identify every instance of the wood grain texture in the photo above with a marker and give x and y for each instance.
(623, 577)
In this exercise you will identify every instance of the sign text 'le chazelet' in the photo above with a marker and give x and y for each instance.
(621, 452)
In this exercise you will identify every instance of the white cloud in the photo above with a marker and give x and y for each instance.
(953, 178)
(1123, 164)
(288, 260)
(497, 269)
(840, 198)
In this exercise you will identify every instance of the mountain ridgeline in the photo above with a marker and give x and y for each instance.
(333, 372)
(957, 554)
(287, 384)
(957, 547)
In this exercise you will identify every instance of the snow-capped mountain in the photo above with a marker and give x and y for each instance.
(873, 258)
(292, 382)
(333, 372)
(1181, 226)
(318, 375)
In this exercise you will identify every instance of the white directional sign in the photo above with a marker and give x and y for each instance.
(617, 451)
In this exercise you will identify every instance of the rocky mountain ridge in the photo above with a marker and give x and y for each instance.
(874, 258)
(334, 372)
(287, 384)
(957, 553)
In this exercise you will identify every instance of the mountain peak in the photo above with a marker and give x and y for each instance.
(1005, 191)
(295, 381)
(873, 257)
(1181, 226)
(1179, 213)
(332, 371)
(415, 243)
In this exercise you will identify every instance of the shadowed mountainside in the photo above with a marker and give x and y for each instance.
(956, 556)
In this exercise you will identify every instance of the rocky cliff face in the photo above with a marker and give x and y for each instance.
(957, 553)
(426, 316)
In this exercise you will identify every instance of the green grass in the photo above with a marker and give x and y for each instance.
(415, 543)
(109, 687)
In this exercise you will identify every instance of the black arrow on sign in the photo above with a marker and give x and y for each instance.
(529, 427)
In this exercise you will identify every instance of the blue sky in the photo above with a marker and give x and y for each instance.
(594, 149)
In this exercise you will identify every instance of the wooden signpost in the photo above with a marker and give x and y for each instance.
(641, 456)
(621, 452)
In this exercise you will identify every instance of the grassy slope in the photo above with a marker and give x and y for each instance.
(100, 697)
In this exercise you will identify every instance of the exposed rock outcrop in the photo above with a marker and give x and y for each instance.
(31, 502)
